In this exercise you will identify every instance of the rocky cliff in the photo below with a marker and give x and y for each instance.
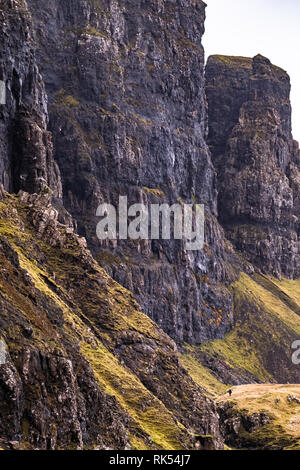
(128, 117)
(256, 159)
(108, 98)
(25, 143)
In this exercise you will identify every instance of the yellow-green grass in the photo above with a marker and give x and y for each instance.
(64, 99)
(261, 318)
(201, 374)
(289, 287)
(158, 193)
(146, 410)
(272, 303)
(234, 60)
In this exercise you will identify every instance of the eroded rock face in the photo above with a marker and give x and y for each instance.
(256, 159)
(128, 117)
(26, 160)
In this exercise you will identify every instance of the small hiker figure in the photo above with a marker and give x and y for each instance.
(230, 392)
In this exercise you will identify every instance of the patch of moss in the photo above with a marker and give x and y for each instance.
(290, 288)
(156, 192)
(142, 120)
(138, 443)
(263, 319)
(107, 258)
(233, 61)
(94, 32)
(270, 301)
(269, 437)
(64, 99)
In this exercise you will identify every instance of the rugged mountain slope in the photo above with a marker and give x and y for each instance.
(83, 367)
(256, 159)
(80, 354)
(128, 117)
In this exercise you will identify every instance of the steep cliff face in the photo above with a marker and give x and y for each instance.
(128, 117)
(107, 98)
(25, 144)
(256, 159)
(81, 366)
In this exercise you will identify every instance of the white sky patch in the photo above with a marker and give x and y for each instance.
(251, 27)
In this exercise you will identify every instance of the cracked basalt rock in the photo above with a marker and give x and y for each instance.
(236, 423)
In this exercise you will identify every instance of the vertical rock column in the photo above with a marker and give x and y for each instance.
(26, 153)
(256, 159)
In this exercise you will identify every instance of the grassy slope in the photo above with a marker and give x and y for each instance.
(266, 324)
(201, 374)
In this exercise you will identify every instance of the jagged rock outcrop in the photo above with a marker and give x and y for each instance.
(256, 159)
(128, 117)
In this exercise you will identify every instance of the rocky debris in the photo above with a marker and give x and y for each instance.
(45, 217)
(256, 159)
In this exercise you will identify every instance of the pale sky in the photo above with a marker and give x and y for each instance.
(250, 27)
